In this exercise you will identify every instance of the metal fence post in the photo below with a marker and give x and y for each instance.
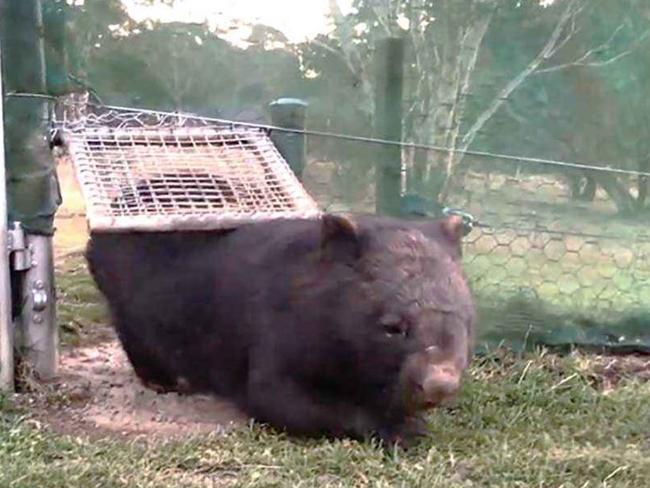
(32, 188)
(38, 313)
(291, 114)
(389, 76)
(6, 325)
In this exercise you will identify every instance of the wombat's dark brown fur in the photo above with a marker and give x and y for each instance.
(335, 326)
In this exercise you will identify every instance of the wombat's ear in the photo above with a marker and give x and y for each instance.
(452, 228)
(449, 230)
(339, 237)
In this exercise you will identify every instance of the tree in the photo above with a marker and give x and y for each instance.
(588, 102)
(457, 81)
(176, 66)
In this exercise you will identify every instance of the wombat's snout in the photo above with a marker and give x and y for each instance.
(438, 384)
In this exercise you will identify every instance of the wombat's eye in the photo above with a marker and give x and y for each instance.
(394, 330)
(393, 326)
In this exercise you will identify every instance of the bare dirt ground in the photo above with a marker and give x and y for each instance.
(608, 371)
(97, 394)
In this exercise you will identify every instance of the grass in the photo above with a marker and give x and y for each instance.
(80, 306)
(535, 419)
(532, 420)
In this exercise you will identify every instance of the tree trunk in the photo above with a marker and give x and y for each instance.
(469, 49)
(642, 183)
(555, 39)
(618, 192)
(440, 94)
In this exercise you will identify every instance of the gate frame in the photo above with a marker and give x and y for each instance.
(6, 324)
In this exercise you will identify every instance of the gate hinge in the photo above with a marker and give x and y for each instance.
(19, 252)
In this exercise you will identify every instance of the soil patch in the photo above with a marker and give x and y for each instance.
(97, 394)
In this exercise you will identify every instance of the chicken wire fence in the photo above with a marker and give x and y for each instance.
(550, 263)
(557, 264)
(151, 171)
(547, 265)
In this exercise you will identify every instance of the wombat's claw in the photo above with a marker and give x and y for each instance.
(389, 437)
(396, 440)
(405, 435)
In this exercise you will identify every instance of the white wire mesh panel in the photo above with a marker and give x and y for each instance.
(183, 178)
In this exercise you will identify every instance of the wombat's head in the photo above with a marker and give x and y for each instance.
(411, 315)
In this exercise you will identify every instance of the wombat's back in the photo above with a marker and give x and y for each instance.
(182, 300)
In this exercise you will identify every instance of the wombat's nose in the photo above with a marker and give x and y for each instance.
(440, 384)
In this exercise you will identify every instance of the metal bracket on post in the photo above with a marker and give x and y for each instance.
(31, 255)
(40, 338)
(19, 252)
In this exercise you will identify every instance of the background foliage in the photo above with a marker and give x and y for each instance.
(564, 80)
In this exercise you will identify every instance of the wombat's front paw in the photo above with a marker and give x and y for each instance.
(404, 435)
(358, 424)
(414, 427)
(158, 388)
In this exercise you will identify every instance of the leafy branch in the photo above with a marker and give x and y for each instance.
(584, 60)
(558, 37)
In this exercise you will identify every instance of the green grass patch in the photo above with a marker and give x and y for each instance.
(79, 303)
(531, 420)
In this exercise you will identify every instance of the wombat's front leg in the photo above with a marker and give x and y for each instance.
(404, 432)
(287, 405)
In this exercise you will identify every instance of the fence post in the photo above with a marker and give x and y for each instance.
(32, 186)
(389, 81)
(38, 312)
(6, 325)
(56, 54)
(290, 113)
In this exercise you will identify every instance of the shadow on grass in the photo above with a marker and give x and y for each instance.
(524, 322)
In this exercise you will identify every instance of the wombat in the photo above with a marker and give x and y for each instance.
(338, 326)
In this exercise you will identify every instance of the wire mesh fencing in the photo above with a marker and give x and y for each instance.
(555, 260)
(555, 256)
